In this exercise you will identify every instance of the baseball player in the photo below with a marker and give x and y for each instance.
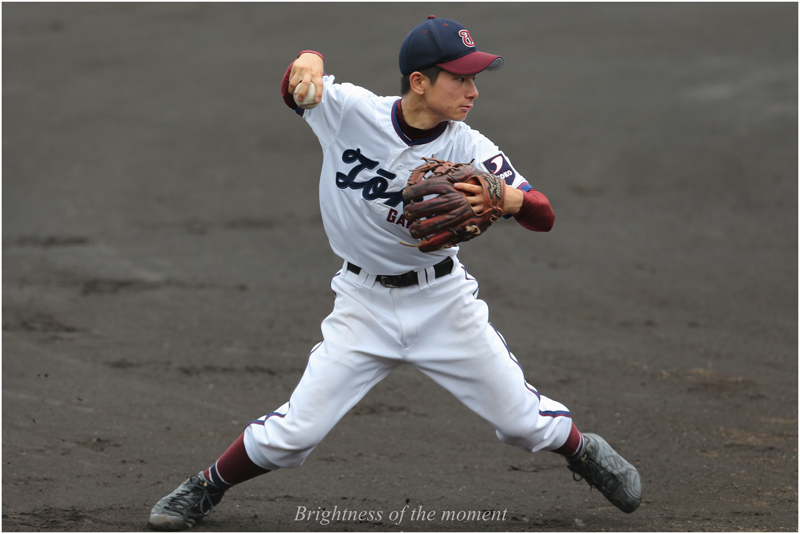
(396, 304)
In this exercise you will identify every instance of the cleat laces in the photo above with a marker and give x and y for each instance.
(186, 500)
(597, 477)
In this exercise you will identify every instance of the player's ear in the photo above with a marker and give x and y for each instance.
(419, 82)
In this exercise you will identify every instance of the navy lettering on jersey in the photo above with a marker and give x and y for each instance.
(372, 188)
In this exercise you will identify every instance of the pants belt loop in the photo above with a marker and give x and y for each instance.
(429, 276)
(424, 278)
(456, 264)
(365, 279)
(362, 279)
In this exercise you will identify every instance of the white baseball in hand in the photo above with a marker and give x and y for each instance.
(308, 102)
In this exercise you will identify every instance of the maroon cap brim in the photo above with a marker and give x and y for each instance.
(472, 63)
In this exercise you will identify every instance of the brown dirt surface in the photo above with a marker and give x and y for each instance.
(165, 269)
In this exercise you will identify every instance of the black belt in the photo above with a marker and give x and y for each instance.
(410, 278)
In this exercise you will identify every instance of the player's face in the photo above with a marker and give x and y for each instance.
(452, 96)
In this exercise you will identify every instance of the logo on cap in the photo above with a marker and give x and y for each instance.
(446, 44)
(466, 38)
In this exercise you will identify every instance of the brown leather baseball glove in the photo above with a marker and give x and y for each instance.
(447, 218)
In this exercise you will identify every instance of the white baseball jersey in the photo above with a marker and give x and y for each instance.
(367, 162)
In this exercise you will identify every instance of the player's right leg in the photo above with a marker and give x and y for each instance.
(358, 351)
(339, 372)
(331, 385)
(334, 381)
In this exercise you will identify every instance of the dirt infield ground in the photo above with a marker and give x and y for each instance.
(165, 268)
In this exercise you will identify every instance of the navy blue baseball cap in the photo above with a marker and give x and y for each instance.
(446, 44)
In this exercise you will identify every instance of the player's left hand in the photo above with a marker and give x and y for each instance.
(449, 215)
(513, 197)
(474, 195)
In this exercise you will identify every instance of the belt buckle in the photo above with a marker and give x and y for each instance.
(394, 283)
(399, 280)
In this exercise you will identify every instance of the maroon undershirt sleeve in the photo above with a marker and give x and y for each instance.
(536, 214)
(285, 93)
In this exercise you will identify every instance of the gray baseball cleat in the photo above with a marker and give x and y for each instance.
(189, 503)
(603, 468)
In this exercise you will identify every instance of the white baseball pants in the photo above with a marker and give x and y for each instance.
(441, 328)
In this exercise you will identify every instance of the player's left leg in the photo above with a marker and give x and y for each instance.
(474, 363)
(460, 350)
(520, 422)
(484, 375)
